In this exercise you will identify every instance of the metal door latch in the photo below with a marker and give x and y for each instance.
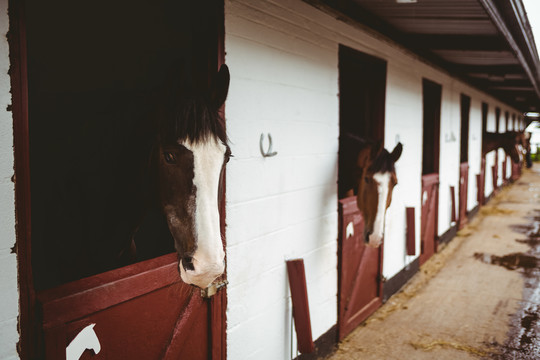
(213, 289)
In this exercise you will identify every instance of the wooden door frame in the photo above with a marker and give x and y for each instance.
(465, 102)
(347, 52)
(465, 110)
(348, 204)
(19, 89)
(28, 346)
(436, 129)
(430, 163)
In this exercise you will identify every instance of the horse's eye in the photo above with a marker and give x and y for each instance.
(367, 179)
(170, 158)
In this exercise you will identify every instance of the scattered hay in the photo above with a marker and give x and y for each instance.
(466, 232)
(495, 210)
(428, 271)
(450, 345)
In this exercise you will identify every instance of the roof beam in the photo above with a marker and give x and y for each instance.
(499, 22)
(499, 70)
(458, 42)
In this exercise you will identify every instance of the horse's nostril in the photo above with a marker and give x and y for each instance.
(366, 237)
(187, 263)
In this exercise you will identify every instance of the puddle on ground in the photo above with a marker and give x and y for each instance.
(523, 342)
(510, 261)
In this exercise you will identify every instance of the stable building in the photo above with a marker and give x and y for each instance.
(435, 76)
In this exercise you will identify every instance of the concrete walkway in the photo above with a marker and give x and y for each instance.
(477, 298)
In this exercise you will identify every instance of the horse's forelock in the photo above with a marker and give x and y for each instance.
(383, 163)
(194, 119)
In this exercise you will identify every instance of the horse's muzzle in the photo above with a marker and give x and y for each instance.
(372, 240)
(366, 236)
(200, 274)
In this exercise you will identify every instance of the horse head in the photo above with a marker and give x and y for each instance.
(376, 178)
(512, 143)
(193, 152)
(509, 141)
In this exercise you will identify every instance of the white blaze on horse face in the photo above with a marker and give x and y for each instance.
(208, 259)
(383, 188)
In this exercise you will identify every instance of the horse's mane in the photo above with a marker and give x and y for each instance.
(383, 163)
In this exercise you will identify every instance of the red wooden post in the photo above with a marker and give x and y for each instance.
(411, 234)
(453, 197)
(302, 322)
(495, 175)
(504, 175)
(479, 189)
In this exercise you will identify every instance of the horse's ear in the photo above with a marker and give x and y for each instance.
(220, 87)
(376, 149)
(396, 153)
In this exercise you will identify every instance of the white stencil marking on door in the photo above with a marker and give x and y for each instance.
(86, 339)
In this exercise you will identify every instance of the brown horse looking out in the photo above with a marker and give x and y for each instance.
(372, 181)
(192, 154)
(509, 141)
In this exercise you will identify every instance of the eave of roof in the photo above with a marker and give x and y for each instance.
(486, 43)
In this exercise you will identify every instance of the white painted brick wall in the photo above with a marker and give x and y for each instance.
(449, 152)
(282, 207)
(283, 56)
(475, 151)
(8, 262)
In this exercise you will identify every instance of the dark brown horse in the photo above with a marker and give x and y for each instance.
(372, 181)
(192, 153)
(509, 141)
(132, 180)
(184, 176)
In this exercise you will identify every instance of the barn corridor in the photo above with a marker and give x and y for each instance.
(478, 297)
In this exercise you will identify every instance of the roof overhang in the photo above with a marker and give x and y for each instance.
(486, 43)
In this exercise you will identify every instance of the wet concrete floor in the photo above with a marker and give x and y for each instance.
(479, 297)
(523, 340)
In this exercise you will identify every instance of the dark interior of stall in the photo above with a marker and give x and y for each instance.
(362, 94)
(95, 70)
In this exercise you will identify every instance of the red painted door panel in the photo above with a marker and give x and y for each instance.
(463, 187)
(142, 311)
(516, 171)
(504, 170)
(481, 183)
(360, 288)
(430, 204)
(495, 172)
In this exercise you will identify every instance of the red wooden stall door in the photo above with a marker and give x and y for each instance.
(481, 183)
(360, 288)
(504, 170)
(516, 171)
(463, 187)
(430, 204)
(141, 311)
(495, 174)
